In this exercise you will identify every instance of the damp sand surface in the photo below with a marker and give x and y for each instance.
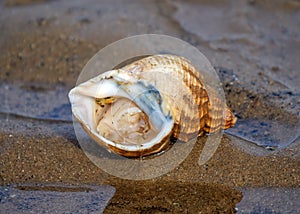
(253, 46)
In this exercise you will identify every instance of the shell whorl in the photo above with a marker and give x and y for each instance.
(200, 113)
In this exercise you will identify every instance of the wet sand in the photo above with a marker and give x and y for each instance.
(45, 44)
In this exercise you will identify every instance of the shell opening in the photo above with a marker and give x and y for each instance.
(121, 115)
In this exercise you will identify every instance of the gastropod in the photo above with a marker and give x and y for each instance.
(134, 110)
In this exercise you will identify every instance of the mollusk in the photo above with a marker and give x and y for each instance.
(134, 110)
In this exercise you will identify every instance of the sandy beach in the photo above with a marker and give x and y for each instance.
(254, 48)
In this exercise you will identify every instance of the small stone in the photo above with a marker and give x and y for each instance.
(41, 21)
(176, 204)
(20, 55)
(84, 20)
(275, 68)
(42, 63)
(62, 36)
(32, 46)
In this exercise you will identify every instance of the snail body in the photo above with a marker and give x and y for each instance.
(134, 110)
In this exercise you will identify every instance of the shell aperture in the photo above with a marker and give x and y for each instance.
(118, 106)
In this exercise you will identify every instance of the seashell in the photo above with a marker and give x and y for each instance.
(134, 110)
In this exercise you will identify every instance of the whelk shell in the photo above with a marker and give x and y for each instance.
(134, 110)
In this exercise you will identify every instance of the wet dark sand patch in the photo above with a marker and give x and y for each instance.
(10, 3)
(173, 197)
(54, 198)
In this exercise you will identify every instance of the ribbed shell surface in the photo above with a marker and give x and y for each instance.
(181, 85)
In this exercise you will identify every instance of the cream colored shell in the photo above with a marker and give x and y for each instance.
(182, 94)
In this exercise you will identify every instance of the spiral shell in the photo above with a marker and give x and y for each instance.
(153, 98)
